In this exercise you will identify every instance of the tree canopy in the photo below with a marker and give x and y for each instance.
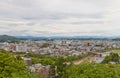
(113, 57)
(92, 70)
(11, 67)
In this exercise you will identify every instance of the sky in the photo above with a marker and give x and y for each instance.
(60, 17)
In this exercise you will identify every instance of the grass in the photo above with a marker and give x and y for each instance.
(116, 51)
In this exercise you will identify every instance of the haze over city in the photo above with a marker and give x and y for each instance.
(60, 17)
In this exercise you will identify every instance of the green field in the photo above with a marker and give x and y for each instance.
(116, 51)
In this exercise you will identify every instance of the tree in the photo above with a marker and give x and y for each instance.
(92, 70)
(114, 57)
(11, 67)
(58, 69)
(43, 61)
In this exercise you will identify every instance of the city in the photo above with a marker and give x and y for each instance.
(61, 47)
(59, 38)
(72, 51)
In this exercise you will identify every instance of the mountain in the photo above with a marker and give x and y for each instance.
(67, 37)
(6, 38)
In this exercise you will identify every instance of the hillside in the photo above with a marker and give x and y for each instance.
(6, 38)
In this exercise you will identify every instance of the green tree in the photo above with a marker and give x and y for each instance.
(43, 61)
(92, 70)
(114, 57)
(58, 68)
(12, 67)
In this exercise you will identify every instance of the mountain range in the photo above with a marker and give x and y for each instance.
(7, 38)
(68, 37)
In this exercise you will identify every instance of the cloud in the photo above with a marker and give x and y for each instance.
(59, 17)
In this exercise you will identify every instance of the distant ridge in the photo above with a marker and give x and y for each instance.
(6, 38)
(69, 37)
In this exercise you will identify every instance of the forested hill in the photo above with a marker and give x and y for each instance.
(6, 38)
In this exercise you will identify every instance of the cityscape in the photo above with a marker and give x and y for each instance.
(60, 47)
(74, 51)
(59, 38)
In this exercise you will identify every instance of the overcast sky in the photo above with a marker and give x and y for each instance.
(60, 17)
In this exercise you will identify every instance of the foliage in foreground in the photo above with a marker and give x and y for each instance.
(11, 67)
(92, 70)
